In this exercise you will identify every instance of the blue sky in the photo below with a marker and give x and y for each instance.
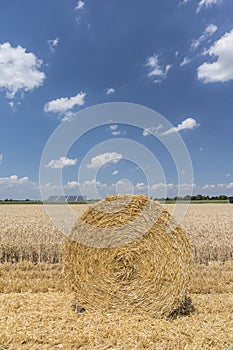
(59, 57)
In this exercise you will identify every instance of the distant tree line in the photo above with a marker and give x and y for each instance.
(198, 197)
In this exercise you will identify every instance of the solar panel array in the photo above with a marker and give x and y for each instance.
(62, 199)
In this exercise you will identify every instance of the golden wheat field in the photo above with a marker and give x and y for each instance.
(36, 305)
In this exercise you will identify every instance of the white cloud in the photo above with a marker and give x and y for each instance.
(1, 158)
(156, 70)
(160, 185)
(115, 172)
(53, 43)
(80, 5)
(13, 180)
(185, 61)
(68, 116)
(222, 69)
(61, 163)
(228, 174)
(186, 124)
(183, 2)
(225, 186)
(110, 91)
(116, 133)
(206, 3)
(19, 70)
(207, 187)
(208, 32)
(140, 186)
(108, 157)
(18, 188)
(64, 104)
(113, 127)
(72, 184)
(152, 130)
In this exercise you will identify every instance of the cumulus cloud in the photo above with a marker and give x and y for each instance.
(156, 70)
(64, 104)
(206, 3)
(208, 32)
(221, 70)
(140, 186)
(101, 159)
(1, 158)
(53, 43)
(115, 172)
(72, 184)
(61, 163)
(80, 5)
(225, 186)
(13, 180)
(19, 70)
(186, 124)
(110, 91)
(16, 187)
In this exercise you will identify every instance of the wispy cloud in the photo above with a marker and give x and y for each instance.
(208, 32)
(61, 163)
(206, 3)
(53, 43)
(221, 70)
(185, 61)
(152, 130)
(115, 172)
(19, 70)
(101, 159)
(183, 2)
(1, 158)
(187, 124)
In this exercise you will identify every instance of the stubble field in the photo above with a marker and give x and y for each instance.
(35, 303)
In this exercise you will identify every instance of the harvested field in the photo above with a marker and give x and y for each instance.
(45, 321)
(35, 302)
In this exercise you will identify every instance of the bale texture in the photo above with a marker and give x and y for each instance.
(143, 264)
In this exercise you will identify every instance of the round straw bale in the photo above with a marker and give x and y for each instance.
(126, 253)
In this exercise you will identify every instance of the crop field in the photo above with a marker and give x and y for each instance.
(36, 305)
